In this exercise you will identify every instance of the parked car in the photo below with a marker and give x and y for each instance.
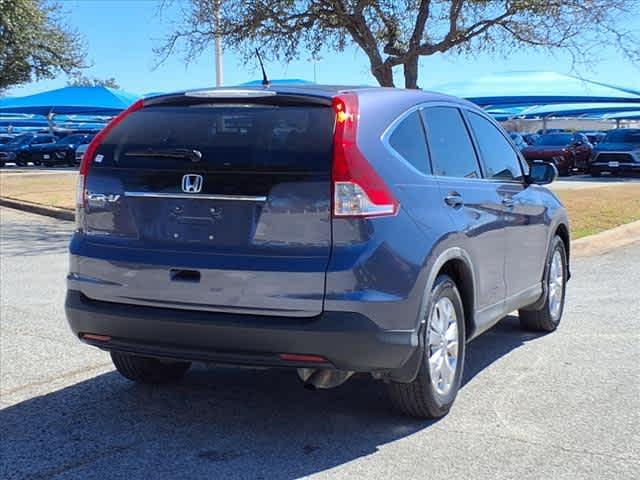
(548, 131)
(328, 229)
(619, 152)
(60, 153)
(594, 137)
(19, 149)
(518, 140)
(567, 151)
(79, 153)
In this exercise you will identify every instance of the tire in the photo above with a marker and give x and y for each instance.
(148, 370)
(21, 164)
(595, 173)
(421, 398)
(47, 164)
(565, 172)
(547, 318)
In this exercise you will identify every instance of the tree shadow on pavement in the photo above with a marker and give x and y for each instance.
(217, 423)
(22, 237)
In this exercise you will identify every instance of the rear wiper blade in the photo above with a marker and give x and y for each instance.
(186, 153)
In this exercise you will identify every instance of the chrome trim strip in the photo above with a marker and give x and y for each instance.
(388, 131)
(197, 196)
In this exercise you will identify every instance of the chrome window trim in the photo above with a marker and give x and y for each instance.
(196, 196)
(462, 108)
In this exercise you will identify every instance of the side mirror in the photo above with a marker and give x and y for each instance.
(542, 173)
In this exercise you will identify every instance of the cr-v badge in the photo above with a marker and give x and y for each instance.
(192, 183)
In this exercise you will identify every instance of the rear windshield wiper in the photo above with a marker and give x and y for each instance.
(184, 153)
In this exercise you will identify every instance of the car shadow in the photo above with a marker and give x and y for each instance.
(216, 423)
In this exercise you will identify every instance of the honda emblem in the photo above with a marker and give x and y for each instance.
(192, 183)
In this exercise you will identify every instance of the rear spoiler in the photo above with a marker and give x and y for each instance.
(239, 96)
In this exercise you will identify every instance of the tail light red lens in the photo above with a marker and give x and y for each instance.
(87, 158)
(358, 191)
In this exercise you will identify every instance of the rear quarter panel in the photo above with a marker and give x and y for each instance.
(380, 267)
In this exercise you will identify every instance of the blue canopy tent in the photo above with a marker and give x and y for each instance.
(630, 115)
(88, 101)
(70, 100)
(520, 89)
(594, 110)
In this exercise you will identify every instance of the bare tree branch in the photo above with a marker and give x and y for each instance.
(394, 33)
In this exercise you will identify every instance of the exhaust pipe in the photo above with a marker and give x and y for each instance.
(323, 378)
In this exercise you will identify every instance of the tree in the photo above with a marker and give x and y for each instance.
(79, 80)
(396, 33)
(35, 43)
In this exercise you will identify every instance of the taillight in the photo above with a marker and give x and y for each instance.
(89, 154)
(358, 191)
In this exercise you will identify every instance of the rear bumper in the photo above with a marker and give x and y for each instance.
(349, 341)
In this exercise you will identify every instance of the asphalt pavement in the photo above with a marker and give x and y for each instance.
(559, 406)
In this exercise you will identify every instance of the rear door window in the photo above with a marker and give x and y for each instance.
(499, 158)
(224, 137)
(409, 142)
(452, 153)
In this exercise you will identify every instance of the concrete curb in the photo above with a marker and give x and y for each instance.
(607, 241)
(55, 212)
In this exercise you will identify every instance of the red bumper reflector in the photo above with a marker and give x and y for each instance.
(293, 357)
(96, 338)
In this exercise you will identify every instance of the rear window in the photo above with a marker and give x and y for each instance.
(226, 137)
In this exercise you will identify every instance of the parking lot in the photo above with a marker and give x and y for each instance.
(561, 406)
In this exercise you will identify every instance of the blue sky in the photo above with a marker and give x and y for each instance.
(120, 35)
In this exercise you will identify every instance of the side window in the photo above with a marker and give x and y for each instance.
(408, 140)
(499, 158)
(452, 153)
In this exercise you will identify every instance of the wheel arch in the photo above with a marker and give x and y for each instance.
(455, 263)
(461, 274)
(562, 230)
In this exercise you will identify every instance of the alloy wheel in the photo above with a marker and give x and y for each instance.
(443, 345)
(556, 285)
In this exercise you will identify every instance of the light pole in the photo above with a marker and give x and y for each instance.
(218, 46)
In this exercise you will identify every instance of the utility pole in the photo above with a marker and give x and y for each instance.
(218, 46)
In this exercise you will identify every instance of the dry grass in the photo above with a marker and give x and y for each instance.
(56, 189)
(591, 210)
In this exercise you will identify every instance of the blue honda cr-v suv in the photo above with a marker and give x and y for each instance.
(329, 229)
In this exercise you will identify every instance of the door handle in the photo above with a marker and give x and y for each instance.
(454, 200)
(508, 202)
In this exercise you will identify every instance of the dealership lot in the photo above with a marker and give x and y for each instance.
(558, 406)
